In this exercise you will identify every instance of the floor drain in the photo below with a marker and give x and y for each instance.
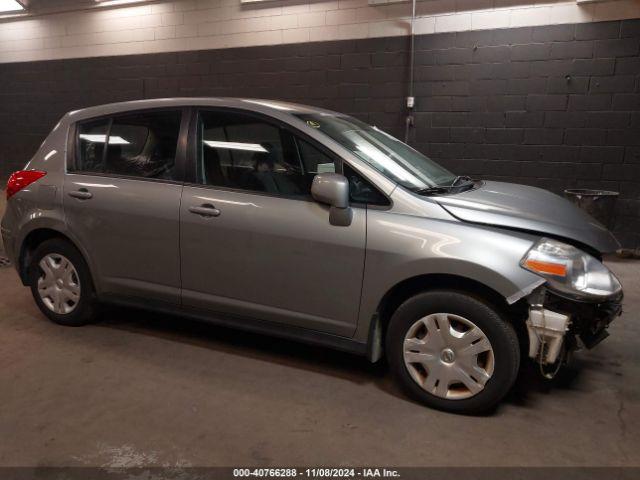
(4, 262)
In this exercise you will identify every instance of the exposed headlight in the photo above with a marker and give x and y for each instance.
(570, 270)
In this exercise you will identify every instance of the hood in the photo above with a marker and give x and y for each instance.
(531, 209)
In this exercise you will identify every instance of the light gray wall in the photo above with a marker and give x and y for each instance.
(183, 25)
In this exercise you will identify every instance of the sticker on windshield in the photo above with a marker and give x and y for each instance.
(313, 124)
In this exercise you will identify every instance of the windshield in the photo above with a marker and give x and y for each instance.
(394, 159)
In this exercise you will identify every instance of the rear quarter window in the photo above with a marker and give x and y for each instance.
(92, 137)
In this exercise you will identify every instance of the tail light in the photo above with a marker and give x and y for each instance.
(22, 179)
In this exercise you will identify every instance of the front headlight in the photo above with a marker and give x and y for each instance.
(570, 270)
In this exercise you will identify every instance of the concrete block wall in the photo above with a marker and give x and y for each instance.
(552, 106)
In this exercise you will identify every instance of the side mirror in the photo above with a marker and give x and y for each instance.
(333, 189)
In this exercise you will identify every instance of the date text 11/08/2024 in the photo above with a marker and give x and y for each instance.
(317, 472)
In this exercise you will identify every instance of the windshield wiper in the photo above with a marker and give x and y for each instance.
(442, 189)
(435, 190)
(461, 178)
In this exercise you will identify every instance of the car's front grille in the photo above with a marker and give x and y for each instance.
(4, 262)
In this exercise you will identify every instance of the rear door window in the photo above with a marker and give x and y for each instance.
(140, 145)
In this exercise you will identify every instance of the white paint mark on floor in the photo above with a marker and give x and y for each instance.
(127, 456)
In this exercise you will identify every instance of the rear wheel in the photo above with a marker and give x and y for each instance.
(61, 284)
(452, 351)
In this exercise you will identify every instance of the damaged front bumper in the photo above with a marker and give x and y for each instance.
(557, 325)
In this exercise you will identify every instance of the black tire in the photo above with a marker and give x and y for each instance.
(500, 333)
(84, 311)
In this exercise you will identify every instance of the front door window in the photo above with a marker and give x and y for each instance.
(245, 152)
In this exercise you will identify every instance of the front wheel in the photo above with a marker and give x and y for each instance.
(452, 351)
(61, 284)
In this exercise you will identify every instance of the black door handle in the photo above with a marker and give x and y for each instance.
(206, 210)
(82, 194)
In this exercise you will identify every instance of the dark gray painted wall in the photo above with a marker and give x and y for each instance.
(553, 106)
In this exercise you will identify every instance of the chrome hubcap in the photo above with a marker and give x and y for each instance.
(59, 284)
(448, 356)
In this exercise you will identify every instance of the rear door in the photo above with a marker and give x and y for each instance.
(253, 241)
(122, 198)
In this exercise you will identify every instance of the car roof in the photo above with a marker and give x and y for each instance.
(251, 104)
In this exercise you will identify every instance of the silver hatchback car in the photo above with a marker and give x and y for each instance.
(311, 225)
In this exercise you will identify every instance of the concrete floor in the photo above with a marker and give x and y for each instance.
(140, 390)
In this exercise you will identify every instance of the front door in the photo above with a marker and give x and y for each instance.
(253, 243)
(122, 201)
